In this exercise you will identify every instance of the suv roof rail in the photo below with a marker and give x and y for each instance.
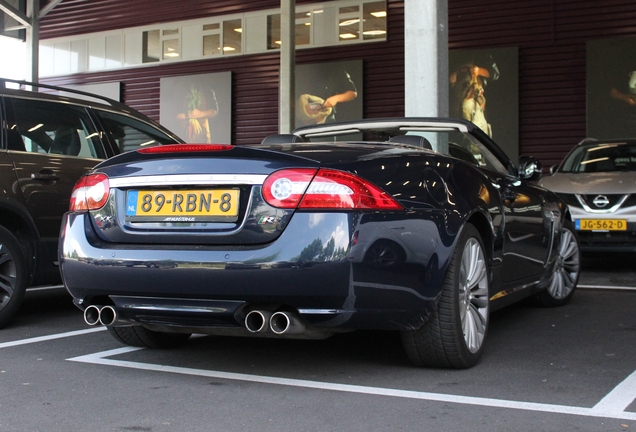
(21, 83)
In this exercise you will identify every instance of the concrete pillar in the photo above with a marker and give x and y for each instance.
(426, 58)
(286, 103)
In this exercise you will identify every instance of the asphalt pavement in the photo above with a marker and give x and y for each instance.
(562, 369)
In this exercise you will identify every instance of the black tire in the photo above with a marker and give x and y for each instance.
(454, 335)
(139, 336)
(565, 274)
(13, 276)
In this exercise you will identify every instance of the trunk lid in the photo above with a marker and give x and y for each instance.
(165, 198)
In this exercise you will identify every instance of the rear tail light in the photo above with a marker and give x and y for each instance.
(285, 188)
(324, 189)
(90, 193)
(179, 148)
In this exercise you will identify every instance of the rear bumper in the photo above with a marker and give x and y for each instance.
(207, 287)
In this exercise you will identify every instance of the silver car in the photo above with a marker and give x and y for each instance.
(597, 179)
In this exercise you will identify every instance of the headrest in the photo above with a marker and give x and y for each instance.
(414, 140)
(66, 141)
(281, 139)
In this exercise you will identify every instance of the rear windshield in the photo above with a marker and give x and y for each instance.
(601, 157)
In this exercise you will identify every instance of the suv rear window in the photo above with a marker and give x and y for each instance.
(53, 128)
(130, 133)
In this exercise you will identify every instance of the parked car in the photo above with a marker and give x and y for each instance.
(301, 239)
(597, 179)
(47, 142)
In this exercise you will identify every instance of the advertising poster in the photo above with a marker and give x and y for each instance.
(611, 88)
(484, 88)
(328, 92)
(198, 107)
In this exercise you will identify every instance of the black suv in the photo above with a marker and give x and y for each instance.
(49, 137)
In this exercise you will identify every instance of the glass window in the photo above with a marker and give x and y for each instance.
(211, 39)
(129, 133)
(374, 21)
(170, 44)
(213, 26)
(232, 36)
(273, 31)
(151, 46)
(55, 128)
(463, 146)
(211, 45)
(171, 49)
(303, 28)
(601, 157)
(470, 149)
(349, 23)
(362, 23)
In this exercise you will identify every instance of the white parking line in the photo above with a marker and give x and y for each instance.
(620, 398)
(608, 287)
(611, 406)
(50, 337)
(45, 288)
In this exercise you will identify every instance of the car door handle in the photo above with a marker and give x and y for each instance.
(509, 194)
(46, 176)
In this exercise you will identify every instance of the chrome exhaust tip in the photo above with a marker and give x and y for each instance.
(286, 323)
(91, 315)
(256, 321)
(107, 315)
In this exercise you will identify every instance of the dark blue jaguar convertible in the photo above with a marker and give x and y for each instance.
(421, 226)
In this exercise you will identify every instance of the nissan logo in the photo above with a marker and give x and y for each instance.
(601, 201)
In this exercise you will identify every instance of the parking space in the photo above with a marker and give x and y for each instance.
(570, 368)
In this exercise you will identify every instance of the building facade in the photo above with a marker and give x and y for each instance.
(550, 37)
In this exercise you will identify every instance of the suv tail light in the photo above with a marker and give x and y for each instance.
(90, 193)
(324, 189)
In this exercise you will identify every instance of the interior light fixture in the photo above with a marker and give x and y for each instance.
(36, 127)
(350, 22)
(379, 14)
(228, 48)
(348, 36)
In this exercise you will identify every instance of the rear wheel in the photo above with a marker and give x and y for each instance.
(454, 334)
(13, 276)
(565, 274)
(139, 336)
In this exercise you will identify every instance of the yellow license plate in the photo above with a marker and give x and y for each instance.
(601, 224)
(211, 205)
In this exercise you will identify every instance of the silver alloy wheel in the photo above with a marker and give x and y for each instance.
(7, 276)
(473, 295)
(566, 268)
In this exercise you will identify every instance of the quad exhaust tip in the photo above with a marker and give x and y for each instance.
(259, 321)
(104, 315)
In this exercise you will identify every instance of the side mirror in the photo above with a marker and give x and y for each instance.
(529, 168)
(553, 169)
